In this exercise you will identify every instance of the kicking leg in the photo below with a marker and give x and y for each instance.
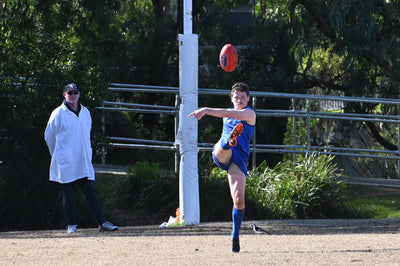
(222, 150)
(223, 155)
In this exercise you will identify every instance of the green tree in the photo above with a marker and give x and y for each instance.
(351, 47)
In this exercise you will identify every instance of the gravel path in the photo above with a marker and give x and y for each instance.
(290, 242)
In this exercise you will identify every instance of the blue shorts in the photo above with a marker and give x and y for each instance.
(239, 157)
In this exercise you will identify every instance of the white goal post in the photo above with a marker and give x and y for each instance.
(189, 203)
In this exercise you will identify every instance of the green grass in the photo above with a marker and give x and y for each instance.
(370, 202)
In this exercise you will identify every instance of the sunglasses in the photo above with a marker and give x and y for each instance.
(72, 92)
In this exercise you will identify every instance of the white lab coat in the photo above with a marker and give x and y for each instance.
(68, 139)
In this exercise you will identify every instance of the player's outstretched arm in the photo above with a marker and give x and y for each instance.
(199, 113)
(246, 115)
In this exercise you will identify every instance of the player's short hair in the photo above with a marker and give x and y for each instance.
(240, 86)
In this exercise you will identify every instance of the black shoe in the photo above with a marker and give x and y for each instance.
(235, 245)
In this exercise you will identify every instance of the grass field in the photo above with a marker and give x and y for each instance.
(374, 202)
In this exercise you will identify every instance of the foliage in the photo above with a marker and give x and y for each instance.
(215, 198)
(148, 189)
(310, 188)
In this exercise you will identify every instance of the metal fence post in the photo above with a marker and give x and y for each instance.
(308, 125)
(398, 143)
(294, 129)
(254, 161)
(103, 128)
(176, 127)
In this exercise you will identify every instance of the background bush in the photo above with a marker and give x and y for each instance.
(310, 188)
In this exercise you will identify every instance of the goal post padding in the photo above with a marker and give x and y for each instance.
(189, 204)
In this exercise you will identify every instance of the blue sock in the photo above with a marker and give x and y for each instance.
(237, 218)
(225, 144)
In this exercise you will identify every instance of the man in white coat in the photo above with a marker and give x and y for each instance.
(68, 138)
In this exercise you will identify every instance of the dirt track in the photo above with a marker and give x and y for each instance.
(291, 242)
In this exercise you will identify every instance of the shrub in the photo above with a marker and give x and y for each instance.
(215, 198)
(147, 188)
(150, 190)
(310, 188)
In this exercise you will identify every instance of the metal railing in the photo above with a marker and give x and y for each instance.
(305, 112)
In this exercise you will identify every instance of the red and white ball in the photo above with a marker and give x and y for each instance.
(228, 57)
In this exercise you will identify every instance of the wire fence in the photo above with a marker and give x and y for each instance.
(304, 107)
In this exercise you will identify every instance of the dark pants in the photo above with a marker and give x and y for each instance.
(88, 188)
